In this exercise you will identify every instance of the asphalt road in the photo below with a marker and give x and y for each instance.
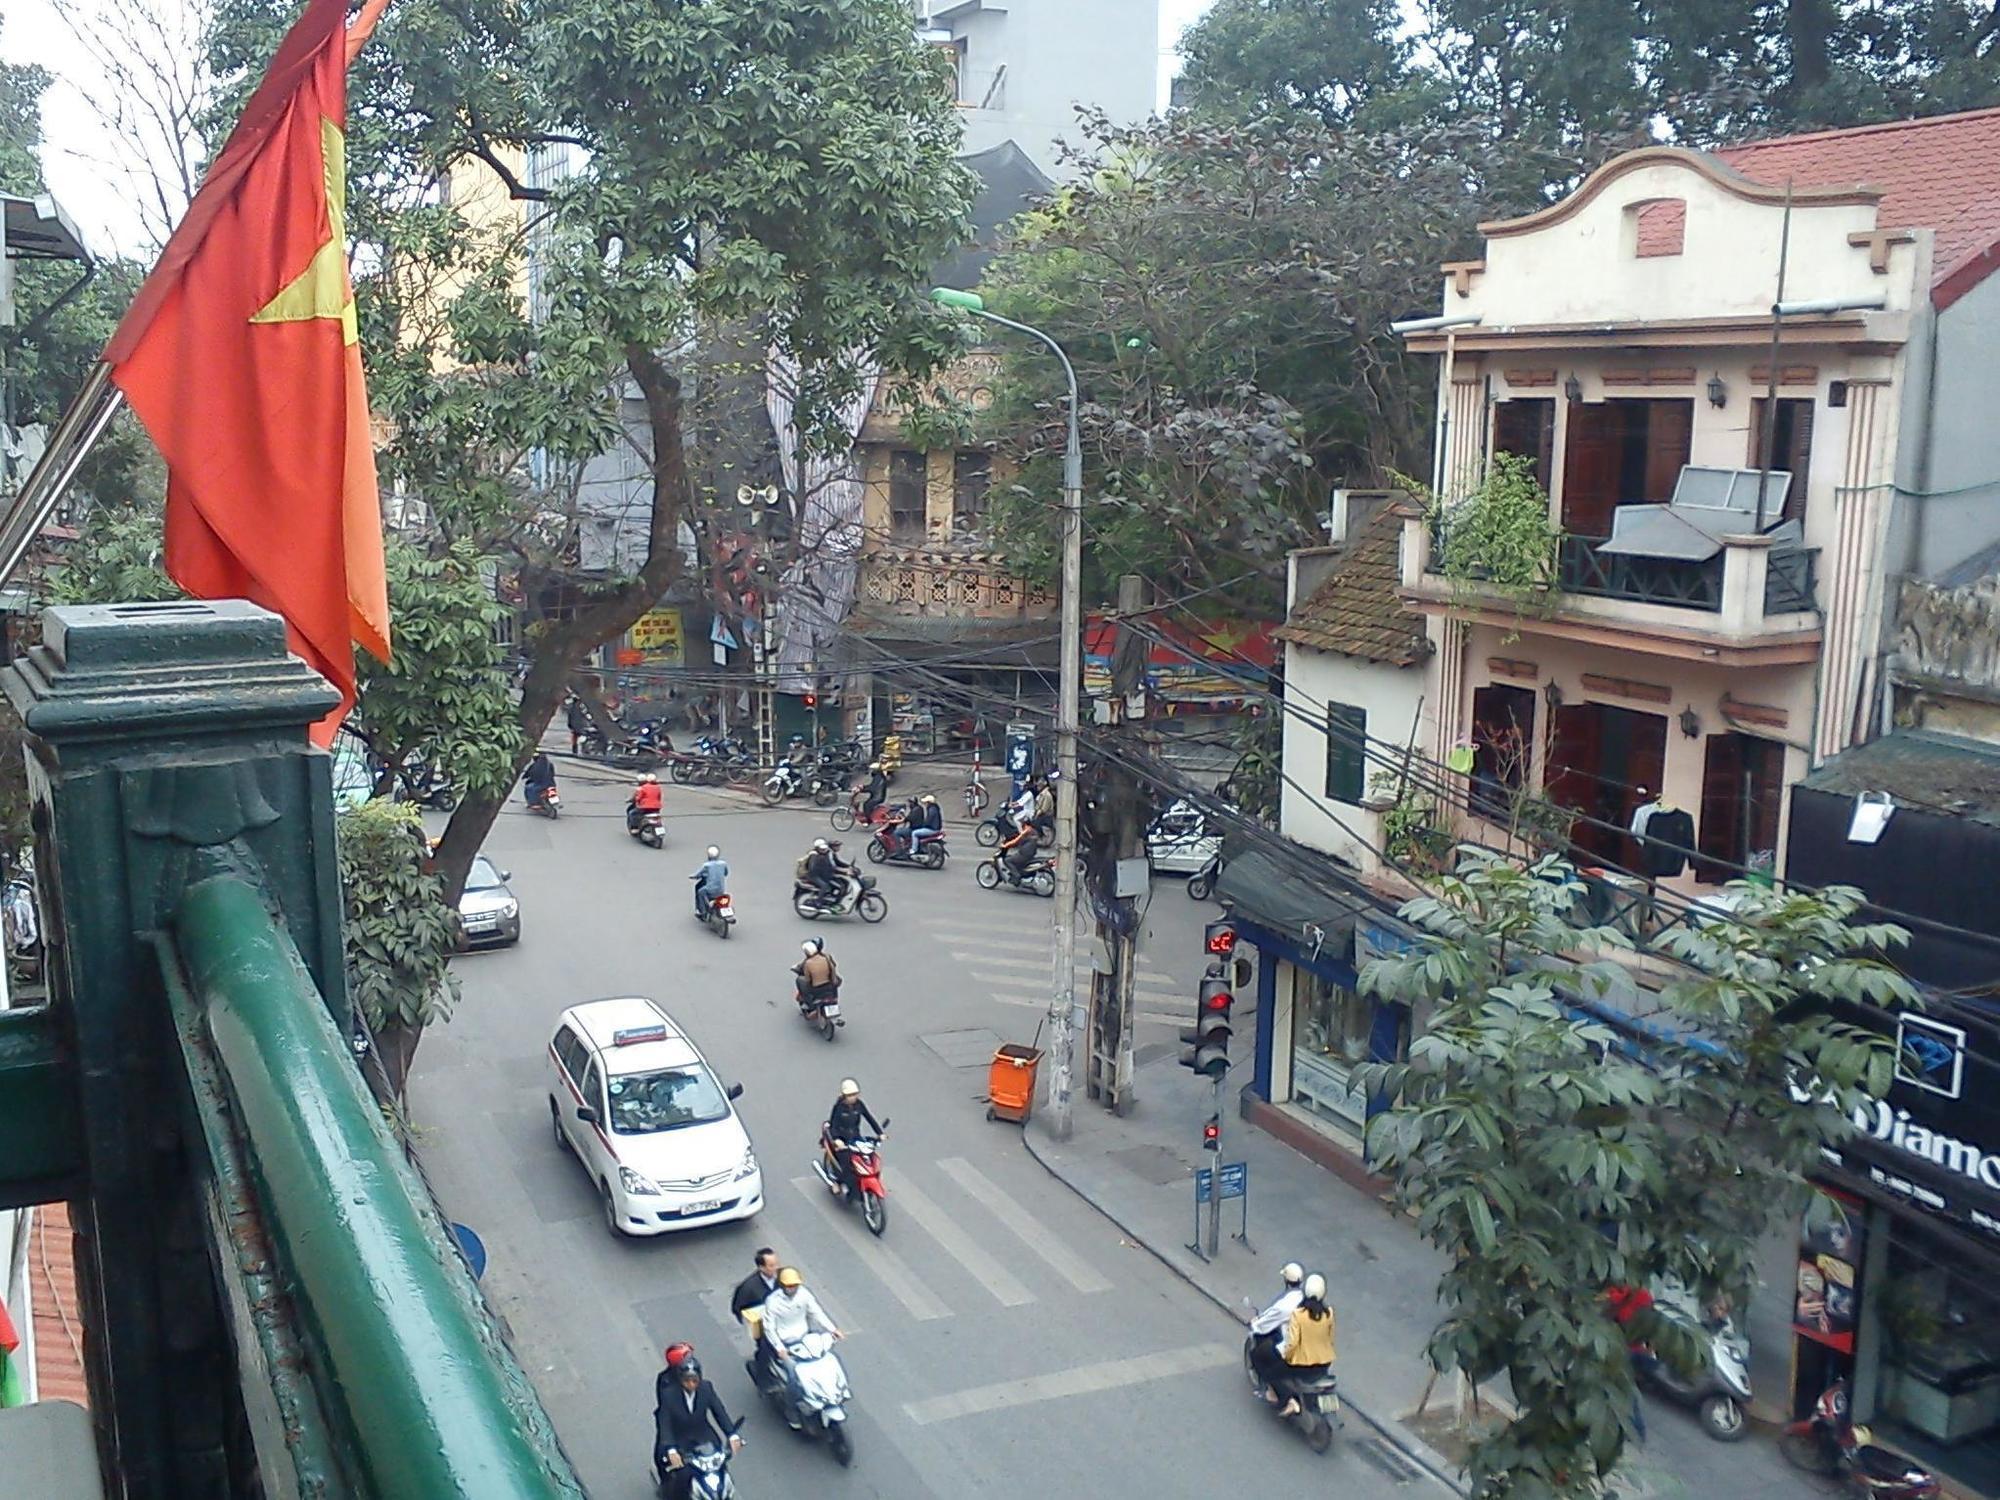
(1002, 1338)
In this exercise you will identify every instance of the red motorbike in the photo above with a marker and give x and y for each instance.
(1828, 1443)
(865, 1159)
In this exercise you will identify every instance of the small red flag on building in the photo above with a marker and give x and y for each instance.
(240, 357)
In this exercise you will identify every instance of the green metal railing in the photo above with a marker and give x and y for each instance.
(411, 1391)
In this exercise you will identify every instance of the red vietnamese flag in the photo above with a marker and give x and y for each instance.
(239, 354)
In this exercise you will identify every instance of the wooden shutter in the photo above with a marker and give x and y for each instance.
(1346, 760)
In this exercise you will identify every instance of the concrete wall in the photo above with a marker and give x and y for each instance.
(1390, 696)
(1957, 510)
(1055, 53)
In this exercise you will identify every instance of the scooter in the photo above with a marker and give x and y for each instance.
(649, 828)
(1318, 1397)
(1720, 1391)
(425, 785)
(718, 914)
(892, 847)
(1201, 884)
(858, 894)
(785, 782)
(1039, 879)
(866, 1157)
(548, 805)
(708, 1472)
(809, 1390)
(821, 1011)
(994, 831)
(1828, 1443)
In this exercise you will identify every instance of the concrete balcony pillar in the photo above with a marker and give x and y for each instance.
(1416, 553)
(1746, 562)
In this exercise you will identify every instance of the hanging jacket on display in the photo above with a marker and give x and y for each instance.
(1668, 840)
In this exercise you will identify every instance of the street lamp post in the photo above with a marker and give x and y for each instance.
(1062, 1000)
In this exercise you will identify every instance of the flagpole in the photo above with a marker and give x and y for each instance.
(77, 431)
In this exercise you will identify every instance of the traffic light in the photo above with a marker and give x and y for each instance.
(1219, 939)
(1208, 1049)
(811, 700)
(1211, 1133)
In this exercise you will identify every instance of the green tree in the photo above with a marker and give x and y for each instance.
(399, 932)
(1548, 1164)
(1333, 58)
(1225, 291)
(804, 184)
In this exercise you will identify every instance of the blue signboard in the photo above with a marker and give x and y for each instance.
(1235, 1181)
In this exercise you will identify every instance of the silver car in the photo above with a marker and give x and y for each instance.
(1179, 840)
(489, 914)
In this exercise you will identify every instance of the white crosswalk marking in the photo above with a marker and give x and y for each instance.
(1000, 961)
(961, 1247)
(1081, 1381)
(1072, 1267)
(918, 1300)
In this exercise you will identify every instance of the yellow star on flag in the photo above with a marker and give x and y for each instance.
(321, 290)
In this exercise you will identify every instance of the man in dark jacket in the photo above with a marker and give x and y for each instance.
(538, 778)
(687, 1413)
(843, 1124)
(878, 789)
(926, 822)
(579, 722)
(750, 1294)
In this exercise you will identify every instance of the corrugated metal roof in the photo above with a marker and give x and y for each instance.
(1929, 772)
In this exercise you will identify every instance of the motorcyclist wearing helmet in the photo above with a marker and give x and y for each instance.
(1021, 850)
(818, 977)
(710, 881)
(539, 779)
(1269, 1324)
(926, 822)
(789, 1314)
(1045, 802)
(822, 871)
(843, 1124)
(878, 789)
(1306, 1344)
(686, 1413)
(646, 798)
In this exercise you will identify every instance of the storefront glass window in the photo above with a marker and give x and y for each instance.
(1330, 1031)
(1940, 1326)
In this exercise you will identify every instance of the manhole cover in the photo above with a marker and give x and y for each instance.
(1154, 1164)
(964, 1049)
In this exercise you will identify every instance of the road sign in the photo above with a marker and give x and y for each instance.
(658, 632)
(1235, 1181)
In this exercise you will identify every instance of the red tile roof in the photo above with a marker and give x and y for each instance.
(57, 1312)
(1941, 174)
(1356, 610)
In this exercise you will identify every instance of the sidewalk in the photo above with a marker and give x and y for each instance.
(1381, 1276)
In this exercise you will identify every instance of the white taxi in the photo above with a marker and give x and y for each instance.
(635, 1101)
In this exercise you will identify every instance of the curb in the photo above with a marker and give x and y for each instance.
(1399, 1437)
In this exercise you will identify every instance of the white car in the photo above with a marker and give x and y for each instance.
(635, 1101)
(1179, 841)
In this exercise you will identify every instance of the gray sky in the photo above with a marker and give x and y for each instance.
(89, 187)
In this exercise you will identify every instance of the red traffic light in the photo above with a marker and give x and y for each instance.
(1211, 1134)
(811, 700)
(1221, 1000)
(1219, 938)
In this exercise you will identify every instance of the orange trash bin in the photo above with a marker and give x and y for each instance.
(1010, 1082)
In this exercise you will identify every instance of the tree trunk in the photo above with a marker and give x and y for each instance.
(1809, 32)
(396, 1050)
(557, 649)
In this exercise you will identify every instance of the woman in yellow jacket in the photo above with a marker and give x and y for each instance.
(1306, 1345)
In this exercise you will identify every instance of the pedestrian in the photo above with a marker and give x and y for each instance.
(579, 721)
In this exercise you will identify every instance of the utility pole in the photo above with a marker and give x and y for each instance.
(1113, 1015)
(1062, 998)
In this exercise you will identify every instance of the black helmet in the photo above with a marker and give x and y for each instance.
(687, 1367)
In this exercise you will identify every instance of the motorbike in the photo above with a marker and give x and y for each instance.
(708, 1473)
(1039, 879)
(1828, 1443)
(821, 1011)
(848, 814)
(718, 915)
(788, 780)
(994, 831)
(425, 785)
(866, 1156)
(1317, 1394)
(809, 1391)
(1201, 884)
(548, 805)
(1720, 1390)
(892, 847)
(649, 828)
(858, 895)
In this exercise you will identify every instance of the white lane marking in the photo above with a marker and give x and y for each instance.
(1081, 1381)
(995, 961)
(1004, 942)
(918, 1300)
(960, 1246)
(1072, 1267)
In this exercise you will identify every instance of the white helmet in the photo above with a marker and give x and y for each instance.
(1291, 1273)
(849, 1089)
(1315, 1288)
(713, 852)
(809, 947)
(820, 845)
(649, 777)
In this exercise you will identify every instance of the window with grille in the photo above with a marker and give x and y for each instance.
(971, 478)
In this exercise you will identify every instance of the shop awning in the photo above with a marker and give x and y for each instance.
(1282, 896)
